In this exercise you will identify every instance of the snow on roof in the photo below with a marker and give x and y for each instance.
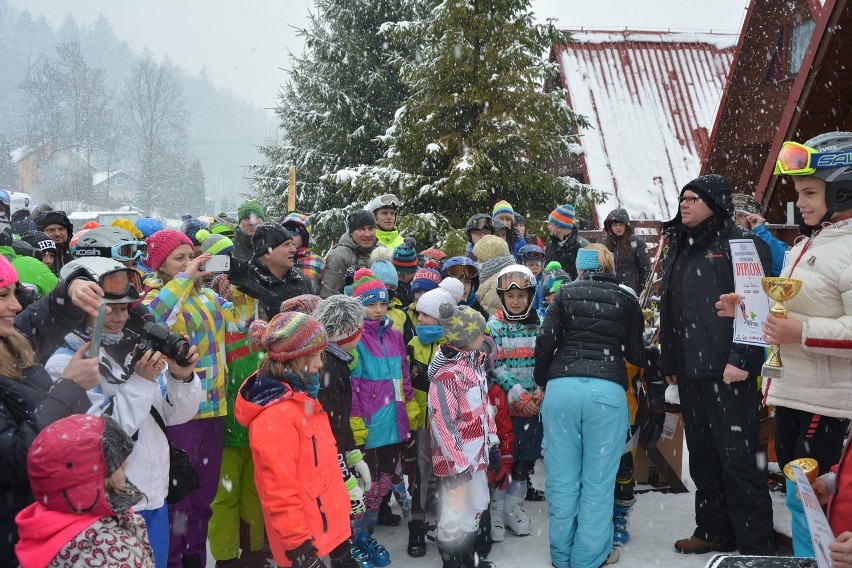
(101, 177)
(651, 98)
(18, 154)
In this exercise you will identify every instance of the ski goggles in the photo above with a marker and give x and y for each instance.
(482, 224)
(513, 280)
(462, 272)
(796, 159)
(388, 200)
(533, 255)
(123, 252)
(121, 283)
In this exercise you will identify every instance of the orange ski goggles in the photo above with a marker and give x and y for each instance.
(796, 159)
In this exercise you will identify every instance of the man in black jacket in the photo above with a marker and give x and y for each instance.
(716, 378)
(564, 239)
(58, 227)
(271, 276)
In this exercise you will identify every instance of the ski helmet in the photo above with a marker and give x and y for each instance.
(461, 267)
(521, 278)
(110, 242)
(838, 181)
(148, 226)
(386, 201)
(121, 285)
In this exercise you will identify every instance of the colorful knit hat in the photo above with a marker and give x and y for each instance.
(462, 324)
(128, 226)
(405, 259)
(368, 289)
(502, 206)
(562, 216)
(8, 275)
(288, 336)
(300, 224)
(148, 226)
(425, 279)
(588, 259)
(161, 244)
(342, 318)
(214, 244)
(383, 268)
(248, 207)
(305, 303)
(449, 290)
(489, 247)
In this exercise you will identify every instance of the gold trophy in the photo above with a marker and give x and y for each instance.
(780, 290)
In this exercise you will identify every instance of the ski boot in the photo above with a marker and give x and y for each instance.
(516, 518)
(533, 494)
(620, 512)
(483, 542)
(361, 559)
(417, 538)
(378, 554)
(387, 517)
(498, 508)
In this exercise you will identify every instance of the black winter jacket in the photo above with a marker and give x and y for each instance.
(26, 407)
(591, 326)
(694, 341)
(274, 290)
(335, 396)
(242, 246)
(632, 263)
(565, 252)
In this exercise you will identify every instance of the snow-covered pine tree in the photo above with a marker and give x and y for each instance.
(478, 126)
(340, 94)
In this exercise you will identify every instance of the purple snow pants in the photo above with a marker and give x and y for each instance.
(203, 440)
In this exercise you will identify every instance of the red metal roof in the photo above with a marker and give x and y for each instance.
(651, 98)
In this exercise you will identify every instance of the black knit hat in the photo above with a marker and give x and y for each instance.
(45, 218)
(268, 236)
(360, 218)
(715, 191)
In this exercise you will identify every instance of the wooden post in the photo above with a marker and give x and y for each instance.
(291, 191)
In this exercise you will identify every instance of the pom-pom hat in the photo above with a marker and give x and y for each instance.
(405, 259)
(462, 324)
(288, 336)
(383, 268)
(368, 289)
(449, 290)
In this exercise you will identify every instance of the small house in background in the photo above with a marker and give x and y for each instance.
(117, 187)
(791, 79)
(46, 173)
(651, 98)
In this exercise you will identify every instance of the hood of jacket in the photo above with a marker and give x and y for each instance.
(618, 216)
(44, 532)
(260, 392)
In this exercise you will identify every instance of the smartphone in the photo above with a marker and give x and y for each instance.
(97, 332)
(218, 263)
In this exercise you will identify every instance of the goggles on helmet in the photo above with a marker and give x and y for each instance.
(511, 280)
(461, 271)
(388, 200)
(796, 159)
(482, 224)
(124, 252)
(121, 283)
(533, 255)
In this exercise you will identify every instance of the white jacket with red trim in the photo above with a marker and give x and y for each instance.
(818, 372)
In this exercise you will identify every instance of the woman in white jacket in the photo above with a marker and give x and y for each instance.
(813, 396)
(131, 384)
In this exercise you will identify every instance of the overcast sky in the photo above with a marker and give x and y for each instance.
(244, 43)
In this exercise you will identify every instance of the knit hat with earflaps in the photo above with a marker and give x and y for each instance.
(462, 324)
(288, 336)
(342, 317)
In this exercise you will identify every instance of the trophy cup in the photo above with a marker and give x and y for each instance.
(780, 290)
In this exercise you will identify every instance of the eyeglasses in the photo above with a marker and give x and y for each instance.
(690, 200)
(462, 272)
(796, 159)
(121, 283)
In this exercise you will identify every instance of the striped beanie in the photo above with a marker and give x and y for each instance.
(502, 206)
(562, 216)
(405, 259)
(588, 259)
(368, 289)
(305, 303)
(214, 244)
(288, 336)
(425, 279)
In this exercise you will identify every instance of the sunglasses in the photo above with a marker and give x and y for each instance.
(796, 159)
(121, 283)
(461, 272)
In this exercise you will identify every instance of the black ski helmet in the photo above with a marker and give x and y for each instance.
(838, 181)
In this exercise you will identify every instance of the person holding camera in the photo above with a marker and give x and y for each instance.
(175, 297)
(140, 387)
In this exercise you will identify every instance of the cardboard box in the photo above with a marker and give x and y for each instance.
(670, 445)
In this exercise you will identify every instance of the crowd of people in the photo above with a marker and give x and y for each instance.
(223, 383)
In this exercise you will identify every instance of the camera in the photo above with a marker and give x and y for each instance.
(158, 337)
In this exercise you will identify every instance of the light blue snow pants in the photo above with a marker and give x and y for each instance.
(802, 544)
(585, 422)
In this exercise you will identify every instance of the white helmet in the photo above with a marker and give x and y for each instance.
(519, 277)
(381, 202)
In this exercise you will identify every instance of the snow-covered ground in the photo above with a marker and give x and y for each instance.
(656, 522)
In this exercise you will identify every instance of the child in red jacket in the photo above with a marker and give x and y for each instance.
(298, 476)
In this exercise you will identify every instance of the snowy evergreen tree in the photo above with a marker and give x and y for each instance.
(340, 95)
(478, 126)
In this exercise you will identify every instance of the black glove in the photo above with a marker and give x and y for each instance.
(456, 481)
(495, 458)
(653, 428)
(305, 556)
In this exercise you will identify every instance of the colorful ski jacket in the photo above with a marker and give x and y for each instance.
(515, 350)
(420, 356)
(383, 407)
(205, 317)
(296, 468)
(462, 428)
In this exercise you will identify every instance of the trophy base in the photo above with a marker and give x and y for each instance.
(772, 372)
